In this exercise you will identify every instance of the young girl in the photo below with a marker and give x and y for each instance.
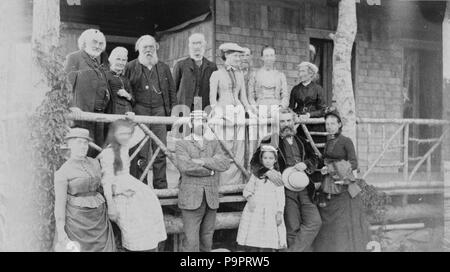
(262, 225)
(131, 204)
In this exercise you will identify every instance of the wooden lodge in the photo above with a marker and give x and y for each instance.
(400, 75)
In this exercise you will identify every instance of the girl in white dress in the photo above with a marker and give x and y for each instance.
(131, 204)
(262, 224)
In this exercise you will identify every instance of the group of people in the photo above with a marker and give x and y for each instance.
(298, 198)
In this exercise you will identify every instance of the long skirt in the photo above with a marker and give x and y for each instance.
(344, 225)
(90, 227)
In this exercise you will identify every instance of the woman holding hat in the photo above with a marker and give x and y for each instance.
(262, 224)
(229, 104)
(80, 208)
(307, 99)
(344, 224)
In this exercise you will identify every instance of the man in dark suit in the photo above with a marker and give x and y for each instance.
(154, 92)
(301, 215)
(199, 158)
(85, 70)
(192, 74)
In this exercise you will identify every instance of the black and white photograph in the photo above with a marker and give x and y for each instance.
(250, 128)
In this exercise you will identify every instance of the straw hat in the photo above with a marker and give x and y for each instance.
(294, 180)
(225, 47)
(78, 133)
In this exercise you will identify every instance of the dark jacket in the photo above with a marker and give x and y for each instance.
(307, 153)
(134, 72)
(118, 104)
(88, 80)
(185, 81)
(308, 99)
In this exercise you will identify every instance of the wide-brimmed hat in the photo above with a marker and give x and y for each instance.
(294, 180)
(226, 47)
(78, 133)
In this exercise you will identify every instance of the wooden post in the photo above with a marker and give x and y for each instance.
(446, 91)
(406, 152)
(342, 76)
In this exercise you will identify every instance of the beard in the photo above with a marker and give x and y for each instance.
(197, 56)
(149, 59)
(93, 52)
(287, 131)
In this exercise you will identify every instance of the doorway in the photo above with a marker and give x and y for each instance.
(422, 95)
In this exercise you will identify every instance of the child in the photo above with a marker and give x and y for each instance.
(262, 224)
(131, 204)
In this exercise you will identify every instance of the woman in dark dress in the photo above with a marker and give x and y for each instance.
(307, 99)
(118, 85)
(344, 223)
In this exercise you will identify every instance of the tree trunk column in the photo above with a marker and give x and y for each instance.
(342, 75)
(446, 115)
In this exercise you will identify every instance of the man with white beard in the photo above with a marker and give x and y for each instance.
(155, 95)
(85, 70)
(192, 74)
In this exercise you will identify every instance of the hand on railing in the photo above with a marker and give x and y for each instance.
(130, 115)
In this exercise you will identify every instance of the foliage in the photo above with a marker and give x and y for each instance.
(374, 201)
(48, 127)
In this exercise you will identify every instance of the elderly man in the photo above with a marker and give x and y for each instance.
(85, 70)
(199, 158)
(155, 95)
(301, 215)
(192, 74)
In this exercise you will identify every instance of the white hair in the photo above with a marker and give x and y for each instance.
(89, 34)
(197, 36)
(117, 51)
(143, 38)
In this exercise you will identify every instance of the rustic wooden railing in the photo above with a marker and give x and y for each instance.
(232, 193)
(400, 141)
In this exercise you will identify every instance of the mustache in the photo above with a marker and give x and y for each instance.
(287, 130)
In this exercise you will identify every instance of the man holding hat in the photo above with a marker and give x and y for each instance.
(199, 158)
(297, 161)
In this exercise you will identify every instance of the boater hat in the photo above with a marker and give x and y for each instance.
(294, 180)
(226, 47)
(78, 133)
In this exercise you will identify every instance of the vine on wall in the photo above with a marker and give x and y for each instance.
(48, 126)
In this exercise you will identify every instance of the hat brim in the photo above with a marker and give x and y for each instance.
(285, 177)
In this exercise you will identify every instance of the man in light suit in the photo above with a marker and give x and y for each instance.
(199, 158)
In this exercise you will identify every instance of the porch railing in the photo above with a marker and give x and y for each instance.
(401, 141)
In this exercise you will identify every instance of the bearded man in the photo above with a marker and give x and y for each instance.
(192, 74)
(301, 215)
(85, 70)
(155, 95)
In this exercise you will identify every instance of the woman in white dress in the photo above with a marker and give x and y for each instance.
(131, 204)
(228, 99)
